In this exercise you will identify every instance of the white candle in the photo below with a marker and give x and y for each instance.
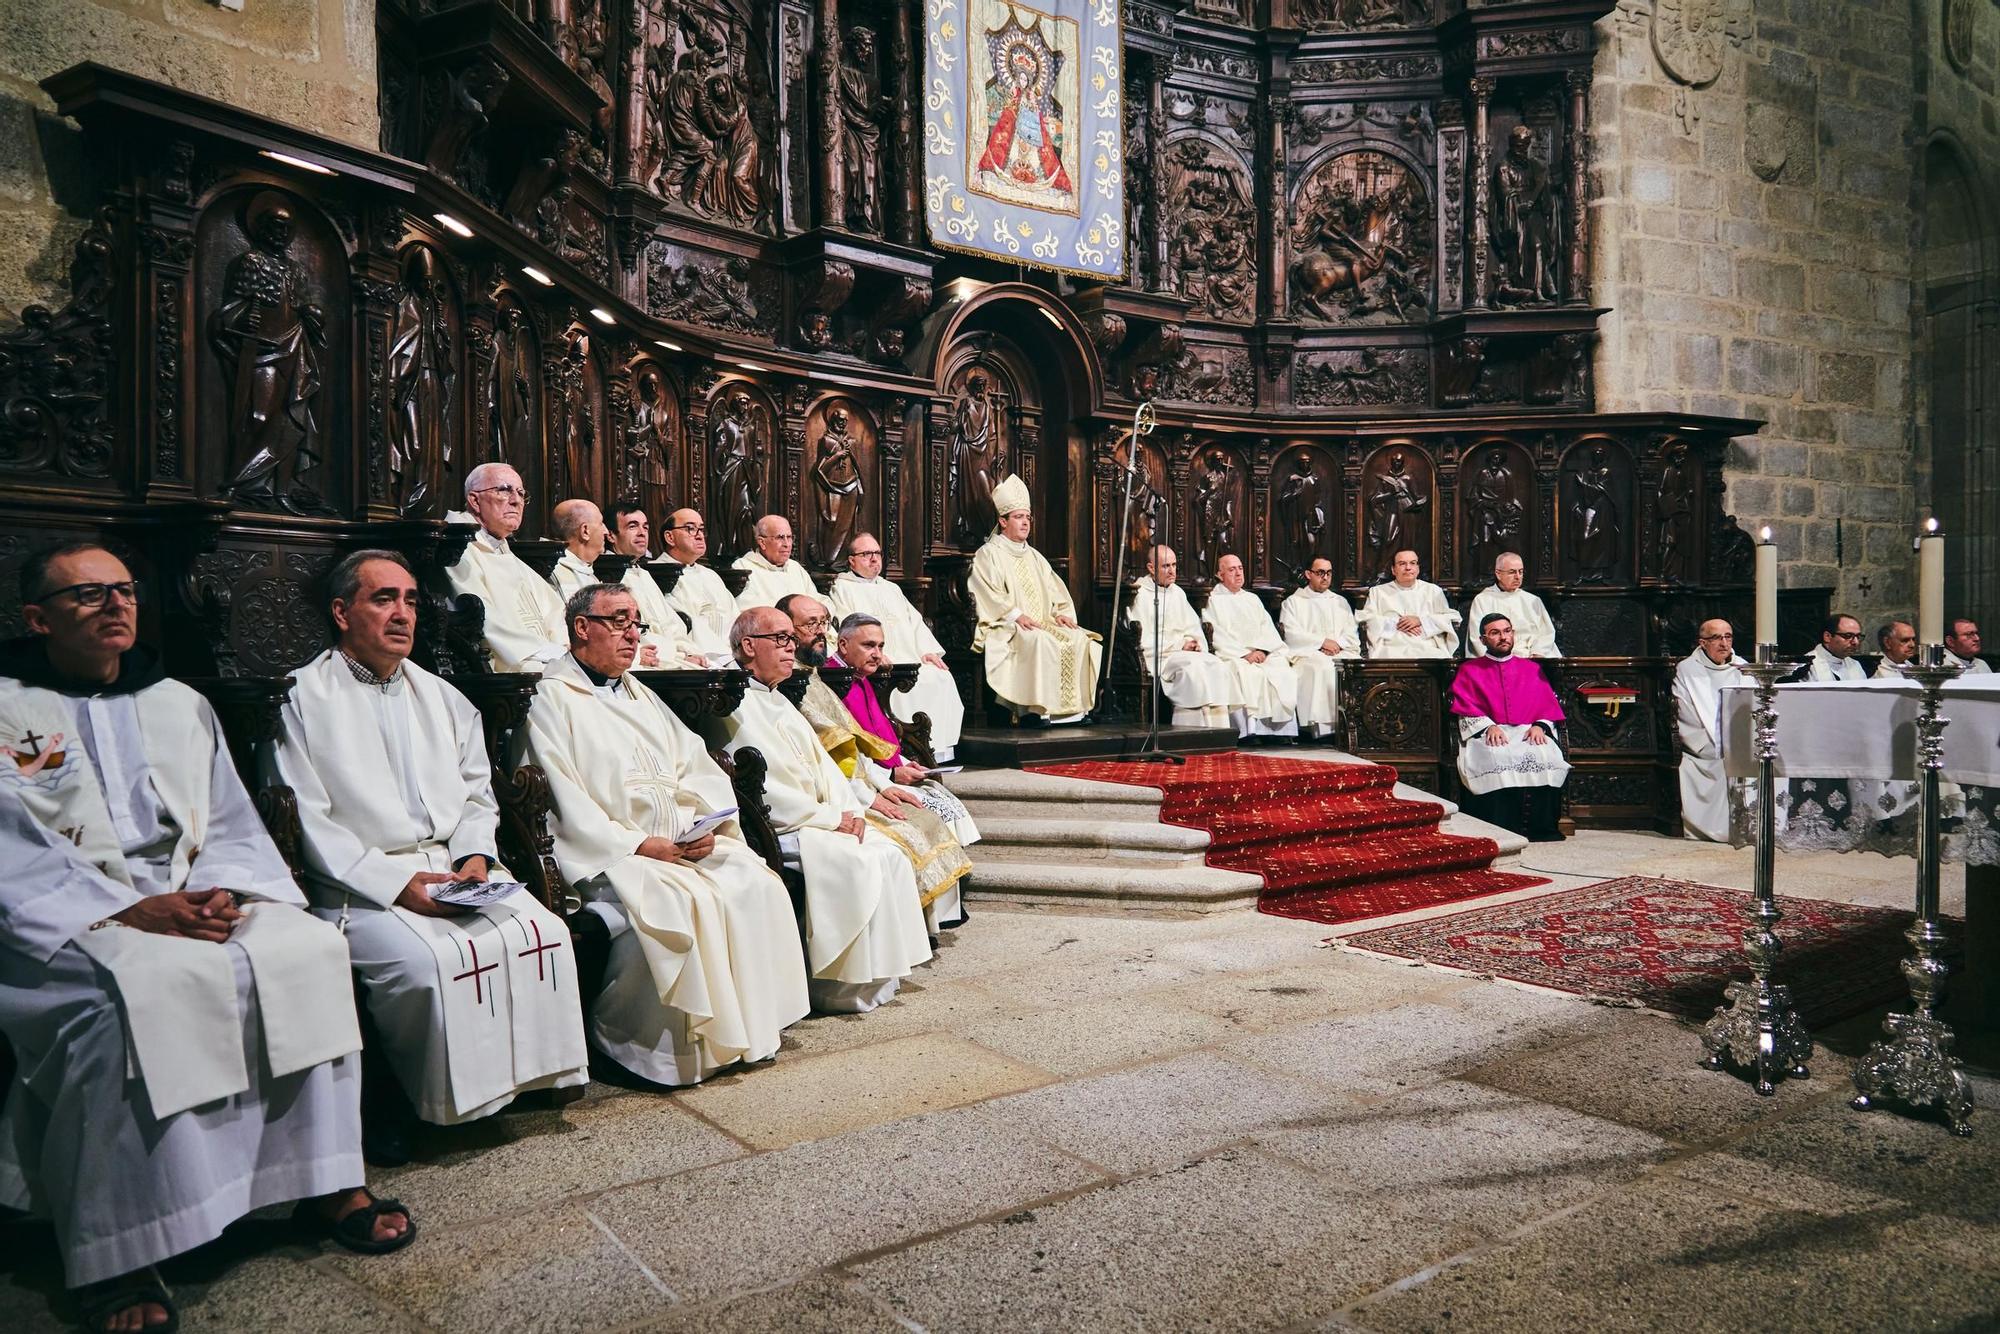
(1767, 589)
(1930, 585)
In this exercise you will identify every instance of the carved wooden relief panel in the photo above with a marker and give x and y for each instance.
(977, 435)
(425, 377)
(1394, 509)
(1218, 511)
(1211, 227)
(741, 456)
(1496, 510)
(1363, 240)
(1305, 510)
(576, 417)
(1594, 513)
(654, 468)
(513, 382)
(1674, 556)
(706, 120)
(1152, 519)
(842, 491)
(57, 374)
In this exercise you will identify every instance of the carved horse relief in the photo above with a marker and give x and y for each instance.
(1364, 238)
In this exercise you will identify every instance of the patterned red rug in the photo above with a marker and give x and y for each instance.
(1668, 944)
(1332, 841)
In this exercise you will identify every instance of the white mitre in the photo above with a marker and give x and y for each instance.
(1010, 495)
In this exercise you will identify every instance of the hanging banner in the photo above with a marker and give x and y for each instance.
(1024, 132)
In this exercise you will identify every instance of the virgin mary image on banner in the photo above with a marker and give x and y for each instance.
(1027, 154)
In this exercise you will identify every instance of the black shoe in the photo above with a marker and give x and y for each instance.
(1034, 721)
(998, 715)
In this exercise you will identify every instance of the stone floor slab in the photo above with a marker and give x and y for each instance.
(1101, 1034)
(1328, 985)
(814, 1306)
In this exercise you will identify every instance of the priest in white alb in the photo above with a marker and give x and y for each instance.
(395, 798)
(705, 969)
(1898, 642)
(523, 614)
(699, 592)
(580, 527)
(1319, 630)
(1698, 684)
(1242, 635)
(861, 588)
(864, 917)
(1832, 660)
(1534, 632)
(773, 573)
(1201, 687)
(1961, 647)
(1408, 617)
(1041, 665)
(184, 1032)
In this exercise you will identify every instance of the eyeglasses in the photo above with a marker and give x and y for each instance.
(620, 623)
(504, 492)
(780, 637)
(814, 623)
(689, 528)
(1843, 634)
(96, 595)
(1718, 639)
(1323, 574)
(860, 555)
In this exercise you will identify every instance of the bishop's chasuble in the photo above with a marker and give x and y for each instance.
(1200, 685)
(701, 594)
(908, 639)
(1534, 632)
(1389, 603)
(524, 624)
(664, 636)
(705, 968)
(770, 582)
(1238, 624)
(1051, 670)
(1307, 620)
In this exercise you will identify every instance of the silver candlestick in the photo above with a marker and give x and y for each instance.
(1755, 1028)
(1915, 1063)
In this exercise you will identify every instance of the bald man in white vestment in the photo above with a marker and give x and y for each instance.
(1534, 631)
(1242, 635)
(1319, 630)
(1698, 684)
(705, 969)
(184, 1030)
(523, 614)
(1041, 665)
(580, 526)
(864, 917)
(395, 796)
(908, 638)
(1408, 617)
(1200, 685)
(773, 572)
(699, 593)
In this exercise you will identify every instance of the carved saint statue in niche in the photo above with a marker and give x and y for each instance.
(1395, 497)
(1494, 514)
(837, 476)
(1214, 511)
(1674, 525)
(1524, 224)
(862, 112)
(511, 412)
(1363, 238)
(650, 437)
(1302, 510)
(1593, 519)
(736, 454)
(579, 419)
(712, 160)
(420, 381)
(1148, 508)
(269, 335)
(976, 460)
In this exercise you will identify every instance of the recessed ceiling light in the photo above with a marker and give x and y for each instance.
(298, 162)
(1050, 316)
(602, 316)
(453, 225)
(749, 365)
(671, 347)
(538, 275)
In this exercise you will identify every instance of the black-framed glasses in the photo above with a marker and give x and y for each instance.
(509, 492)
(1711, 639)
(688, 528)
(619, 624)
(1844, 634)
(863, 555)
(1324, 574)
(95, 594)
(777, 637)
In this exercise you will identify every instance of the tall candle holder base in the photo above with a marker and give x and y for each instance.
(1915, 1064)
(1755, 1029)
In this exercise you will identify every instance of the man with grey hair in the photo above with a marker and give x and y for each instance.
(523, 614)
(773, 572)
(907, 638)
(699, 592)
(705, 968)
(1534, 632)
(580, 526)
(1898, 641)
(395, 798)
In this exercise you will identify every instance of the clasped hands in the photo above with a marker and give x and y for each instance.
(1410, 625)
(197, 914)
(666, 850)
(1027, 622)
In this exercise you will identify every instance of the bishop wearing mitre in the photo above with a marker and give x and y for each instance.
(1534, 632)
(773, 573)
(523, 614)
(699, 592)
(1698, 684)
(861, 588)
(704, 968)
(1408, 617)
(1242, 635)
(1200, 685)
(184, 1030)
(864, 918)
(1040, 663)
(581, 528)
(1319, 630)
(395, 798)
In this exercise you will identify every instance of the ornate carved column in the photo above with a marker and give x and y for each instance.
(1156, 121)
(1277, 115)
(166, 309)
(832, 185)
(908, 165)
(628, 155)
(1578, 293)
(376, 288)
(891, 440)
(1482, 186)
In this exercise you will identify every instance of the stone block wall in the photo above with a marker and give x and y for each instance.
(307, 62)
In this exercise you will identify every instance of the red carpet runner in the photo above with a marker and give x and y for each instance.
(1331, 841)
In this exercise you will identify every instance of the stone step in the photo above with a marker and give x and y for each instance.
(1067, 838)
(1194, 888)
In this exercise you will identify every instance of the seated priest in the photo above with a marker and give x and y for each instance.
(1041, 665)
(1201, 686)
(471, 1007)
(1242, 635)
(584, 535)
(523, 614)
(1408, 617)
(699, 593)
(1832, 659)
(773, 572)
(861, 588)
(1898, 642)
(894, 811)
(184, 1030)
(704, 969)
(1698, 685)
(1534, 632)
(1961, 647)
(1319, 630)
(863, 647)
(1507, 751)
(864, 920)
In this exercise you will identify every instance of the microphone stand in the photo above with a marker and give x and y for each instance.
(1143, 421)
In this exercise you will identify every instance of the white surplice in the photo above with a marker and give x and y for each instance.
(105, 799)
(1307, 620)
(663, 626)
(864, 916)
(770, 582)
(1050, 670)
(1200, 685)
(701, 594)
(1705, 803)
(908, 638)
(393, 780)
(1888, 671)
(1534, 632)
(1390, 602)
(1823, 666)
(1267, 691)
(705, 967)
(1968, 666)
(524, 628)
